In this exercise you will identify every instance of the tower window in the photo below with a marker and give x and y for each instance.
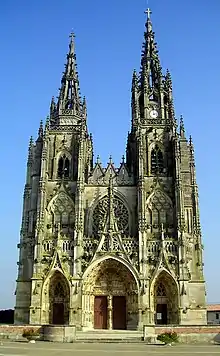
(63, 167)
(156, 160)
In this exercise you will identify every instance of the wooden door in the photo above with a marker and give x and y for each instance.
(100, 312)
(161, 314)
(58, 313)
(119, 312)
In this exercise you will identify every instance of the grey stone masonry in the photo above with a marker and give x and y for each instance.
(107, 247)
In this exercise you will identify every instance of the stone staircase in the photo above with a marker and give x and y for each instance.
(110, 336)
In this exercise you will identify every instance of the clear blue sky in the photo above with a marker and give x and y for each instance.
(34, 41)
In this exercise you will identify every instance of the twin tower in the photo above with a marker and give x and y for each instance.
(112, 247)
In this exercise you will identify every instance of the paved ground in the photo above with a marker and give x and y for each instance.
(56, 349)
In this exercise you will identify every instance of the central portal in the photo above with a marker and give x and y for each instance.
(110, 297)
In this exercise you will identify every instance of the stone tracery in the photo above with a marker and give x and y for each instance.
(61, 211)
(120, 212)
(159, 211)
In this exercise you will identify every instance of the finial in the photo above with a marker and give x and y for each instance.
(110, 159)
(98, 159)
(123, 159)
(148, 12)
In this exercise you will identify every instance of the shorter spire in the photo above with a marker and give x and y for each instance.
(182, 128)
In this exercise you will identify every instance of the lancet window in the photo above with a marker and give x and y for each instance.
(157, 164)
(63, 167)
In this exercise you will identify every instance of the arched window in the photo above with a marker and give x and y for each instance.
(160, 291)
(156, 161)
(63, 167)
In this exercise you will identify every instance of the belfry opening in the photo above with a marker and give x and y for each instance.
(110, 297)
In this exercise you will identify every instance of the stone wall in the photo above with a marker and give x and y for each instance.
(13, 332)
(193, 334)
(63, 333)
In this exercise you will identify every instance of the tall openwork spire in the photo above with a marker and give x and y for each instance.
(69, 104)
(151, 90)
(150, 63)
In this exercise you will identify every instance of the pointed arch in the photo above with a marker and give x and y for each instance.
(59, 299)
(62, 167)
(63, 170)
(110, 280)
(157, 160)
(164, 298)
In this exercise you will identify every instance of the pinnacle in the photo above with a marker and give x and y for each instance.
(98, 160)
(41, 130)
(31, 141)
(182, 128)
(110, 160)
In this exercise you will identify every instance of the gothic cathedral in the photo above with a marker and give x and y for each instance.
(106, 247)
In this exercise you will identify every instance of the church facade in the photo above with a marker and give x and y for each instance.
(106, 247)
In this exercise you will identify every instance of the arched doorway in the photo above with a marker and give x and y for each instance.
(59, 295)
(166, 298)
(110, 297)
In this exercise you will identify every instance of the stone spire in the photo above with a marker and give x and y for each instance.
(151, 75)
(69, 104)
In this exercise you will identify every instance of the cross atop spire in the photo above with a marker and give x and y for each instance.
(148, 12)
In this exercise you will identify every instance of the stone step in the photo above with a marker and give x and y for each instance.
(113, 341)
(109, 335)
